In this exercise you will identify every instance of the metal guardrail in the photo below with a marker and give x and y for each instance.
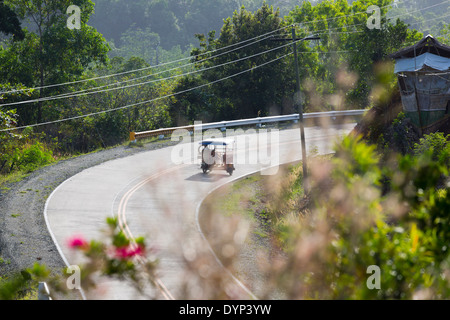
(244, 122)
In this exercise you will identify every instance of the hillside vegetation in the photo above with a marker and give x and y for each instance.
(382, 200)
(129, 67)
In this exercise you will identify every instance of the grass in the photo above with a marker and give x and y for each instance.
(19, 175)
(270, 203)
(30, 293)
(12, 177)
(245, 199)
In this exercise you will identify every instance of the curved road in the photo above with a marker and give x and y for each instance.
(157, 195)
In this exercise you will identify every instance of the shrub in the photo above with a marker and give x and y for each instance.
(437, 144)
(404, 232)
(31, 157)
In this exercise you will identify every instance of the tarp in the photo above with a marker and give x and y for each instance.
(427, 59)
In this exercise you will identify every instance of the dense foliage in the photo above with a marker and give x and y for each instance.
(349, 222)
(252, 93)
(330, 245)
(9, 22)
(128, 66)
(123, 71)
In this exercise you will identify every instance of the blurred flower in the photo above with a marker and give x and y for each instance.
(78, 242)
(423, 294)
(128, 251)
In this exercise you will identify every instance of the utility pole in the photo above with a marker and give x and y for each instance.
(297, 100)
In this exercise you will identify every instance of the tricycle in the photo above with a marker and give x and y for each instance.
(217, 154)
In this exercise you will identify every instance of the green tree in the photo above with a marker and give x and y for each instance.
(348, 44)
(372, 47)
(445, 34)
(8, 140)
(110, 127)
(140, 43)
(54, 53)
(164, 22)
(195, 105)
(9, 22)
(252, 93)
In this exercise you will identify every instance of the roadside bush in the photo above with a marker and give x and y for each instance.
(329, 248)
(437, 144)
(21, 150)
(31, 157)
(399, 136)
(405, 232)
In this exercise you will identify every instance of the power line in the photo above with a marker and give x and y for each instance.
(68, 95)
(365, 12)
(339, 17)
(418, 10)
(412, 42)
(88, 91)
(143, 83)
(191, 57)
(71, 94)
(219, 49)
(143, 69)
(148, 101)
(151, 67)
(428, 20)
(170, 95)
(361, 24)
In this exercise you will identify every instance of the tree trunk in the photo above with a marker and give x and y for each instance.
(3, 165)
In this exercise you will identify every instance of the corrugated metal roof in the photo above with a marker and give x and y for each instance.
(427, 44)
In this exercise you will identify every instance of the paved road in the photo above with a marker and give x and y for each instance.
(156, 194)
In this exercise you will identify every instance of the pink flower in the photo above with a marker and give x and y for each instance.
(78, 242)
(129, 252)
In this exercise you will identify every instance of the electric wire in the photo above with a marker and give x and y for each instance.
(191, 57)
(89, 91)
(219, 49)
(365, 12)
(143, 69)
(70, 94)
(170, 95)
(209, 52)
(148, 101)
(147, 82)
